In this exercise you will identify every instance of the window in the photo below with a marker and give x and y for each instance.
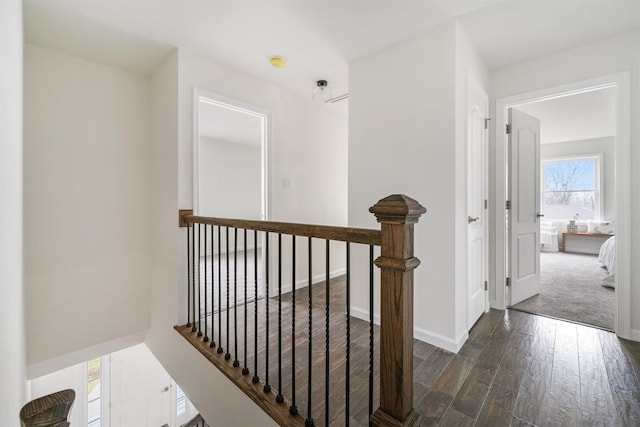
(94, 393)
(181, 401)
(571, 188)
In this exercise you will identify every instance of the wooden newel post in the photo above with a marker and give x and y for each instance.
(396, 214)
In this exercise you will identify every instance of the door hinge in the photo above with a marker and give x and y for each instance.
(486, 204)
(486, 286)
(486, 122)
(507, 204)
(507, 281)
(508, 129)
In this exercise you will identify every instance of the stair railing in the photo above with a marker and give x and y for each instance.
(240, 329)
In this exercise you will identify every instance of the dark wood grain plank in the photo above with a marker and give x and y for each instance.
(431, 406)
(470, 398)
(631, 349)
(623, 382)
(596, 401)
(499, 405)
(455, 418)
(564, 393)
(517, 422)
(429, 371)
(532, 402)
(497, 409)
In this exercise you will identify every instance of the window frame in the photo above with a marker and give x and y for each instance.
(598, 179)
(105, 374)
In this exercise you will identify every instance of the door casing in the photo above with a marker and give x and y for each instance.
(621, 83)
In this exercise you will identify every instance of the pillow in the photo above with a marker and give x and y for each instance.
(605, 227)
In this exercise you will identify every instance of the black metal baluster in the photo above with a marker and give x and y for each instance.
(309, 420)
(220, 349)
(188, 277)
(370, 331)
(348, 339)
(193, 275)
(279, 396)
(227, 355)
(199, 284)
(206, 334)
(326, 341)
(245, 370)
(213, 292)
(267, 386)
(293, 408)
(236, 362)
(255, 378)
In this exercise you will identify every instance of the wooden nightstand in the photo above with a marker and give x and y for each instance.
(581, 235)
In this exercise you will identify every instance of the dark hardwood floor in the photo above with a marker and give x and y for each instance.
(516, 369)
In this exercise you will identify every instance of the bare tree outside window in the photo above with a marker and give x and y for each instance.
(570, 188)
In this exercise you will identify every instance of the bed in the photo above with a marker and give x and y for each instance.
(607, 257)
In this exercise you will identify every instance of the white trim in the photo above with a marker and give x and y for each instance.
(55, 364)
(621, 82)
(423, 335)
(241, 107)
(441, 341)
(361, 314)
(635, 334)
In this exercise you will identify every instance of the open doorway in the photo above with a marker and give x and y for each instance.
(230, 141)
(576, 208)
(502, 295)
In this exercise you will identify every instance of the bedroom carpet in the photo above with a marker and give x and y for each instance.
(571, 290)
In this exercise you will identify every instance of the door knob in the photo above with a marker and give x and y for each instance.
(539, 215)
(472, 219)
(166, 389)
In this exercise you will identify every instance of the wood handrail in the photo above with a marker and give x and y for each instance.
(342, 234)
(397, 215)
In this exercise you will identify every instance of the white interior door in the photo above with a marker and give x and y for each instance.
(477, 107)
(524, 194)
(140, 389)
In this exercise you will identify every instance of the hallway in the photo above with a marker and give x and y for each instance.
(515, 369)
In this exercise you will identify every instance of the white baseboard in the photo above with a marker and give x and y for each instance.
(441, 341)
(635, 335)
(420, 334)
(286, 287)
(361, 314)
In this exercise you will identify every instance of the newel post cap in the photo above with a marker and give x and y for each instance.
(398, 209)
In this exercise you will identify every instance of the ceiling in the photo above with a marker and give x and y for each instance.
(577, 117)
(318, 38)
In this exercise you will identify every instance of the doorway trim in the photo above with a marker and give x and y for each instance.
(241, 107)
(621, 83)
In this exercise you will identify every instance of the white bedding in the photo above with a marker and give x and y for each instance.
(607, 254)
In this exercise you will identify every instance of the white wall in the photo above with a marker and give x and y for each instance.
(87, 145)
(594, 60)
(605, 146)
(132, 381)
(292, 151)
(229, 179)
(403, 138)
(12, 355)
(73, 377)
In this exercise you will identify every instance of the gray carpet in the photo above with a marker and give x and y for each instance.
(571, 290)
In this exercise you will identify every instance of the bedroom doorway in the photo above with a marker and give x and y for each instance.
(578, 241)
(577, 199)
